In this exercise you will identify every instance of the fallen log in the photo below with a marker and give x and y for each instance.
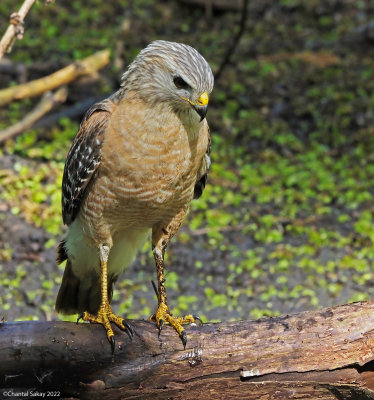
(322, 354)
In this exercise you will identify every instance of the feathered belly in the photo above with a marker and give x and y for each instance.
(146, 205)
(84, 256)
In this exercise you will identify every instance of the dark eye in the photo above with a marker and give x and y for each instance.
(180, 83)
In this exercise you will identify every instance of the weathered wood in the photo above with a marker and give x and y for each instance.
(323, 354)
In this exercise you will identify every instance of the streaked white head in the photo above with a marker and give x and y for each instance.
(171, 72)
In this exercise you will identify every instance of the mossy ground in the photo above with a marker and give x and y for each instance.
(286, 221)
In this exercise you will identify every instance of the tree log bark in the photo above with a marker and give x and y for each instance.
(322, 354)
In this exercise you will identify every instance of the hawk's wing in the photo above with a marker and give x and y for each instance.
(84, 157)
(203, 171)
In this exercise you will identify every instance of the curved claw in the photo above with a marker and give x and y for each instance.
(161, 324)
(128, 329)
(183, 337)
(198, 318)
(80, 316)
(112, 343)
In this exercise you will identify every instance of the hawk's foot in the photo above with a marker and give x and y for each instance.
(163, 315)
(104, 317)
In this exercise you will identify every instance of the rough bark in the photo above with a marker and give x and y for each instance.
(322, 354)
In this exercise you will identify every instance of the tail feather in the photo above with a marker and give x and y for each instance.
(78, 295)
(67, 298)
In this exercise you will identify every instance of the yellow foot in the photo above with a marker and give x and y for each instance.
(163, 315)
(104, 317)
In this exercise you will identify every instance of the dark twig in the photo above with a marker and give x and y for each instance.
(235, 42)
(18, 70)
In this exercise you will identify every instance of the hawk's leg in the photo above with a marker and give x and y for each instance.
(105, 315)
(160, 238)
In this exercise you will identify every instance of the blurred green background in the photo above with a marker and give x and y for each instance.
(286, 221)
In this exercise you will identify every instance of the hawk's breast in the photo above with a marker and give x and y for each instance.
(150, 172)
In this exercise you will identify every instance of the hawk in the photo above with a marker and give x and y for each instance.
(137, 161)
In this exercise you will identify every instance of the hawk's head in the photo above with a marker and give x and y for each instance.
(173, 73)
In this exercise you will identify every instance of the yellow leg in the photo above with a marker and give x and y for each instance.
(105, 315)
(163, 313)
(161, 235)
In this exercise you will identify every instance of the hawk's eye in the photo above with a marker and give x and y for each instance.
(180, 83)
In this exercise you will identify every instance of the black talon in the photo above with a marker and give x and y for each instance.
(112, 343)
(161, 324)
(80, 316)
(183, 337)
(129, 329)
(198, 318)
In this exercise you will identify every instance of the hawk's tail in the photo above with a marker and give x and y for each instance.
(78, 295)
(67, 298)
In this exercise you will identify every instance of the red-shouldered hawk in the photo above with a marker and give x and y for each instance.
(138, 160)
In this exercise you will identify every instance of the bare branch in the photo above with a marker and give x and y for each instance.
(15, 29)
(62, 77)
(46, 104)
(235, 42)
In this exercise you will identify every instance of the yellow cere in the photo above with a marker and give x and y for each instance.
(203, 99)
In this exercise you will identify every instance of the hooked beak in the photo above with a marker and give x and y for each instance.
(201, 107)
(201, 110)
